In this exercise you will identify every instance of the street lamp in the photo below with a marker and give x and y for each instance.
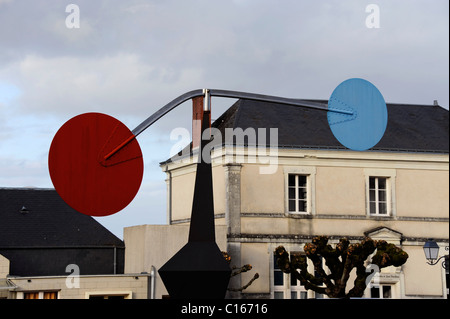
(431, 250)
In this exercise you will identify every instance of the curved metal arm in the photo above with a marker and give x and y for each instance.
(275, 99)
(219, 93)
(166, 109)
(229, 94)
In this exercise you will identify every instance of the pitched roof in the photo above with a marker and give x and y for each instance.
(410, 128)
(40, 218)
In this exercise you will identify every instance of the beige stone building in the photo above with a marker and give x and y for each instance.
(306, 184)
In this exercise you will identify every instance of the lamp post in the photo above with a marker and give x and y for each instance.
(431, 250)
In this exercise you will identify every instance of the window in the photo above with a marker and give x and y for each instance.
(278, 281)
(380, 192)
(299, 190)
(38, 295)
(285, 286)
(118, 297)
(297, 193)
(381, 292)
(378, 196)
(278, 275)
(109, 295)
(297, 290)
(50, 295)
(31, 295)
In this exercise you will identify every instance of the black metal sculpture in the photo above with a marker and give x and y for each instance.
(199, 270)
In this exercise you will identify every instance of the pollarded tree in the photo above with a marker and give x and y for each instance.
(340, 261)
(238, 270)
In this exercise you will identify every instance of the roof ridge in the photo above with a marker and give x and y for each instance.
(417, 105)
(26, 188)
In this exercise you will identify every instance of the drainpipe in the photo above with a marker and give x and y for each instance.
(153, 283)
(169, 195)
(115, 260)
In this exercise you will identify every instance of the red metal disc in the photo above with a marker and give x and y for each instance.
(89, 171)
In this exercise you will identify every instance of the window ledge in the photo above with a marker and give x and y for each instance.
(299, 215)
(380, 217)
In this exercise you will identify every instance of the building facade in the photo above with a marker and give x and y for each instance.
(305, 185)
(279, 178)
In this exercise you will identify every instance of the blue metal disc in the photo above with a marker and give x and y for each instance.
(365, 127)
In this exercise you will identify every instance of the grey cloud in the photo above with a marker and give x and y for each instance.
(128, 58)
(264, 46)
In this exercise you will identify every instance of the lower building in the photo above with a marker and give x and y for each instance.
(50, 251)
(75, 286)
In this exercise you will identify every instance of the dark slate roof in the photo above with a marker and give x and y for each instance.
(410, 128)
(298, 127)
(47, 221)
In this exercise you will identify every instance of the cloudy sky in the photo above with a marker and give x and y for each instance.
(129, 58)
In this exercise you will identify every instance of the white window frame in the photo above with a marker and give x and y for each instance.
(377, 201)
(390, 176)
(380, 288)
(310, 174)
(278, 288)
(297, 289)
(108, 293)
(297, 199)
(287, 289)
(390, 276)
(21, 294)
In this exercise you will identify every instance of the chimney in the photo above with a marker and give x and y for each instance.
(435, 103)
(198, 109)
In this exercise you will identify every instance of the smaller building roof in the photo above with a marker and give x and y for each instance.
(36, 217)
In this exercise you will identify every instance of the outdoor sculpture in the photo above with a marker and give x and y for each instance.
(199, 269)
(96, 166)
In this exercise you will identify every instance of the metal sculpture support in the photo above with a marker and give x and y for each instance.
(199, 270)
(226, 94)
(230, 94)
